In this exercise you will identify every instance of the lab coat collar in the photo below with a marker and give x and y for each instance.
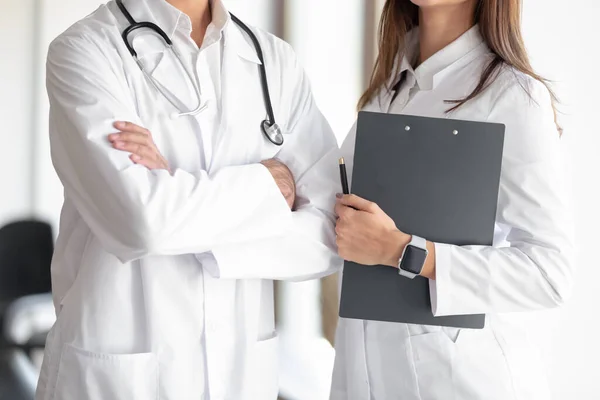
(427, 74)
(163, 14)
(170, 19)
(239, 41)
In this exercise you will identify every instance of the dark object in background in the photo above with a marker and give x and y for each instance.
(25, 253)
(26, 249)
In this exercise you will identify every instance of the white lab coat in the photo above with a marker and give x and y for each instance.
(163, 283)
(528, 268)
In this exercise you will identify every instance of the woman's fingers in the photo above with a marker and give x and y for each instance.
(343, 211)
(358, 203)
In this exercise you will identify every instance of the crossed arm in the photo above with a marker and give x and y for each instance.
(135, 212)
(138, 141)
(305, 251)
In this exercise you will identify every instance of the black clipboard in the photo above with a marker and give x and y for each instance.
(436, 178)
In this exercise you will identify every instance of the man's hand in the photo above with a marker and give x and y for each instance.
(138, 141)
(284, 179)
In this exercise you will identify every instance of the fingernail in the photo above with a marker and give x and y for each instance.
(119, 124)
(135, 157)
(113, 136)
(119, 144)
(339, 195)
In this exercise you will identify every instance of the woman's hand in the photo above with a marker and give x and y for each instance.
(138, 141)
(366, 234)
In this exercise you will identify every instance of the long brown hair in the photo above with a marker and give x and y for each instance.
(500, 26)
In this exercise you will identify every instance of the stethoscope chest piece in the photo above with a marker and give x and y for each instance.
(272, 132)
(269, 127)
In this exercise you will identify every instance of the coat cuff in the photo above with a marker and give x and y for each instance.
(209, 263)
(272, 220)
(440, 289)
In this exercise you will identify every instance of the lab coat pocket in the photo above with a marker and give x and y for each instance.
(264, 373)
(433, 358)
(85, 375)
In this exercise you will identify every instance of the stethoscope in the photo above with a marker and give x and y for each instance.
(269, 127)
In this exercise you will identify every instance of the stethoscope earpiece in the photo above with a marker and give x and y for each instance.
(272, 132)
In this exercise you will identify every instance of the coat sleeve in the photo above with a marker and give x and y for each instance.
(306, 249)
(135, 212)
(532, 268)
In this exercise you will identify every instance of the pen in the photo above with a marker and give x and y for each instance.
(344, 177)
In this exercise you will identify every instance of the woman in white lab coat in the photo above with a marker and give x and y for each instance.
(462, 59)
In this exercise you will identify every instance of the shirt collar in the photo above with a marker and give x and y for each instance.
(428, 73)
(220, 18)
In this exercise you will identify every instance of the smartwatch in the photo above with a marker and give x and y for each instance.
(413, 257)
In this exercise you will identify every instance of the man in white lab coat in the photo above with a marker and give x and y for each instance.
(163, 279)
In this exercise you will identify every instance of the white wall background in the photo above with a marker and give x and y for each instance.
(16, 90)
(562, 37)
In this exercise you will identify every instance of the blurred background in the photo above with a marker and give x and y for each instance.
(335, 41)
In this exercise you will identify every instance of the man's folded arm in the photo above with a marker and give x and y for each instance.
(133, 211)
(306, 249)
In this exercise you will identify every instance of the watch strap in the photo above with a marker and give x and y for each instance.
(419, 242)
(406, 274)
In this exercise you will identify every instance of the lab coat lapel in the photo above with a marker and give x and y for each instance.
(162, 65)
(241, 105)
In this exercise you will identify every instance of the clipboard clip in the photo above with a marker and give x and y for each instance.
(454, 132)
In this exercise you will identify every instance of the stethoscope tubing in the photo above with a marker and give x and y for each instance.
(262, 69)
(269, 127)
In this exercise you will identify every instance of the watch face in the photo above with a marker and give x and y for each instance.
(413, 259)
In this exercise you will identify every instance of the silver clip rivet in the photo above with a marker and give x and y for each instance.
(455, 132)
(407, 128)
